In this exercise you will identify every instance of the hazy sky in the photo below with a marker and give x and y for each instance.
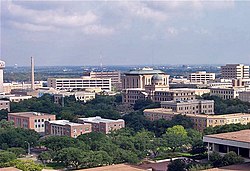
(124, 33)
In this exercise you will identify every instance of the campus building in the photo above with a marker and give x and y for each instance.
(244, 96)
(66, 128)
(190, 106)
(227, 93)
(115, 77)
(5, 105)
(79, 96)
(201, 121)
(235, 71)
(80, 83)
(238, 141)
(201, 77)
(8, 87)
(103, 125)
(15, 98)
(31, 120)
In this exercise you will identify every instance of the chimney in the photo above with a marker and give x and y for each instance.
(32, 74)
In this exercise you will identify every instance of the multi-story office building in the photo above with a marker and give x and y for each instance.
(141, 78)
(80, 83)
(227, 93)
(66, 128)
(103, 125)
(244, 96)
(190, 106)
(235, 71)
(115, 77)
(30, 120)
(201, 77)
(5, 105)
(201, 121)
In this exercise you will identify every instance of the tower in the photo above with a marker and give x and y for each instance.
(2, 66)
(32, 74)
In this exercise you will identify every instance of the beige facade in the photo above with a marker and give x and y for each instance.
(227, 93)
(190, 106)
(8, 87)
(66, 128)
(235, 71)
(15, 98)
(201, 121)
(244, 96)
(79, 95)
(80, 83)
(103, 125)
(5, 105)
(201, 77)
(31, 120)
(141, 78)
(197, 91)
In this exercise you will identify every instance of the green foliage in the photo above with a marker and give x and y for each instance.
(231, 158)
(6, 124)
(18, 151)
(175, 137)
(3, 115)
(177, 165)
(45, 156)
(6, 156)
(27, 165)
(225, 128)
(198, 167)
(216, 159)
(142, 104)
(227, 106)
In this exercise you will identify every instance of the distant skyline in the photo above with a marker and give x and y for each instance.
(86, 33)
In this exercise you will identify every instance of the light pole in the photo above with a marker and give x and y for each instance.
(28, 147)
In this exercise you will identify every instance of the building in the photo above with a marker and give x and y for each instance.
(8, 87)
(79, 95)
(238, 141)
(15, 98)
(103, 125)
(244, 96)
(201, 76)
(80, 83)
(115, 77)
(190, 106)
(227, 93)
(31, 120)
(5, 105)
(66, 128)
(197, 91)
(142, 77)
(2, 66)
(235, 71)
(201, 121)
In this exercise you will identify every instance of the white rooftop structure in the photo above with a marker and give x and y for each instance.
(64, 122)
(98, 119)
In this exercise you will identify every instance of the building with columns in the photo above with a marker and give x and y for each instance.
(238, 141)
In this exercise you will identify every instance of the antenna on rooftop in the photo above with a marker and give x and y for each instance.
(101, 64)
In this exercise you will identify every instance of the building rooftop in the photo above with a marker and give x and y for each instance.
(186, 101)
(116, 167)
(161, 110)
(236, 167)
(29, 114)
(225, 116)
(65, 122)
(98, 119)
(4, 101)
(143, 71)
(242, 136)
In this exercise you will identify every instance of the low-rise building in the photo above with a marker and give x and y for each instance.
(103, 125)
(66, 128)
(8, 87)
(244, 96)
(238, 141)
(31, 120)
(5, 105)
(197, 91)
(15, 98)
(201, 76)
(79, 95)
(227, 93)
(190, 106)
(201, 121)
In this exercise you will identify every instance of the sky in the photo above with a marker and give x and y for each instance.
(124, 32)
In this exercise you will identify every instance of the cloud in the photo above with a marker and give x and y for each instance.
(97, 29)
(31, 27)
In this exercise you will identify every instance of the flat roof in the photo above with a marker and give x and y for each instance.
(116, 167)
(5, 101)
(98, 119)
(225, 116)
(186, 101)
(242, 136)
(65, 122)
(161, 110)
(10, 169)
(30, 114)
(236, 167)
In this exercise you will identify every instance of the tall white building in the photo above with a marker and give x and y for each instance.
(235, 71)
(201, 77)
(2, 66)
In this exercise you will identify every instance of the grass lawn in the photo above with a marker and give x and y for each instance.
(54, 166)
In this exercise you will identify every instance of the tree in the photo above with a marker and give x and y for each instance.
(6, 156)
(216, 159)
(45, 156)
(175, 137)
(231, 158)
(70, 156)
(27, 165)
(18, 151)
(141, 104)
(183, 120)
(177, 165)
